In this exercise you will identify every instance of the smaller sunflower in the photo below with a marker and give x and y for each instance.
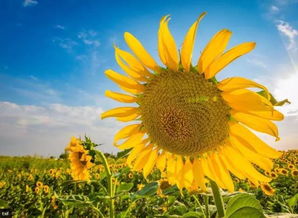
(39, 184)
(283, 171)
(291, 166)
(294, 173)
(37, 190)
(130, 175)
(80, 160)
(140, 186)
(163, 184)
(28, 189)
(273, 175)
(267, 189)
(46, 189)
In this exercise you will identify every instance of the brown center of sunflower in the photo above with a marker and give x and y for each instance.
(184, 113)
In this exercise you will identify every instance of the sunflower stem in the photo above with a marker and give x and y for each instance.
(217, 199)
(206, 200)
(111, 190)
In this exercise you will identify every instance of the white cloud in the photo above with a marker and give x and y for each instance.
(67, 43)
(289, 32)
(28, 3)
(46, 130)
(89, 38)
(60, 27)
(274, 9)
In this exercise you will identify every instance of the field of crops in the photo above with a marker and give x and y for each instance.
(34, 186)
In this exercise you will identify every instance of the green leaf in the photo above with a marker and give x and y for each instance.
(124, 187)
(247, 212)
(237, 204)
(3, 204)
(293, 201)
(193, 214)
(149, 190)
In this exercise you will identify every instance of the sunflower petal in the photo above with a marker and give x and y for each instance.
(141, 52)
(245, 100)
(131, 141)
(131, 65)
(150, 163)
(247, 168)
(142, 158)
(257, 123)
(233, 83)
(128, 117)
(213, 49)
(119, 112)
(161, 162)
(199, 174)
(167, 46)
(253, 157)
(187, 174)
(188, 44)
(258, 145)
(123, 80)
(135, 152)
(126, 132)
(120, 97)
(269, 115)
(228, 57)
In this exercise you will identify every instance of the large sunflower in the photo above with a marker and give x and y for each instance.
(189, 125)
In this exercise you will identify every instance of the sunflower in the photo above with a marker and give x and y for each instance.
(283, 171)
(273, 175)
(291, 166)
(46, 189)
(267, 189)
(80, 160)
(294, 173)
(188, 124)
(39, 184)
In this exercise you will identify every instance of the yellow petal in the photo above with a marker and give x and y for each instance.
(233, 83)
(253, 157)
(120, 97)
(246, 100)
(119, 112)
(214, 48)
(257, 123)
(206, 169)
(131, 65)
(227, 58)
(215, 172)
(246, 167)
(223, 173)
(199, 174)
(126, 132)
(270, 115)
(171, 165)
(142, 158)
(178, 172)
(150, 163)
(230, 166)
(123, 80)
(187, 175)
(131, 141)
(141, 52)
(167, 46)
(188, 44)
(128, 117)
(132, 91)
(161, 162)
(258, 145)
(135, 152)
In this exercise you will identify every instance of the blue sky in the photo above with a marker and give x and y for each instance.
(54, 53)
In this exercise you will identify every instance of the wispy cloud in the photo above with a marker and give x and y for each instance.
(60, 27)
(289, 32)
(28, 3)
(66, 43)
(89, 38)
(45, 130)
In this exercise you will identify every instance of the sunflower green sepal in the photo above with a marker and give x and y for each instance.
(273, 100)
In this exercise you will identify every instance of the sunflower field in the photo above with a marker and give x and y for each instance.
(38, 187)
